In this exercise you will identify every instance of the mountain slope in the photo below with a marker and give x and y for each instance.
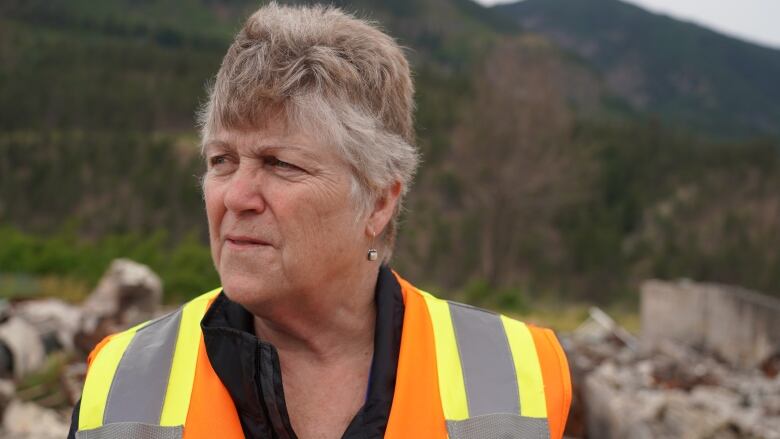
(692, 76)
(142, 65)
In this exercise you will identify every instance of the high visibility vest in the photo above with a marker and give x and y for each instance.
(462, 373)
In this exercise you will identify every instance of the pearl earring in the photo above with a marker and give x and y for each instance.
(373, 254)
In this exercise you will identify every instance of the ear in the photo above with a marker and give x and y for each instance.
(383, 209)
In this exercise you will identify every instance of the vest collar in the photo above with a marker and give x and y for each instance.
(249, 367)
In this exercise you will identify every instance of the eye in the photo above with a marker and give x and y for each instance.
(217, 160)
(276, 163)
(221, 164)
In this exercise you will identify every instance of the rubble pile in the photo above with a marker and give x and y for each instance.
(629, 389)
(44, 344)
(27, 420)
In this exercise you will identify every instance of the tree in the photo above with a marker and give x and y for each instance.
(513, 149)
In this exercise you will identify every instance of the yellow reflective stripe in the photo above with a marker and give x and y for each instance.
(100, 377)
(529, 372)
(185, 358)
(451, 386)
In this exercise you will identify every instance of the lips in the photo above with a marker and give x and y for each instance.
(245, 241)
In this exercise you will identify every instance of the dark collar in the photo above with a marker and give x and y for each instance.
(249, 367)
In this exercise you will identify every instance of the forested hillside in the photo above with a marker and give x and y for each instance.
(540, 176)
(692, 76)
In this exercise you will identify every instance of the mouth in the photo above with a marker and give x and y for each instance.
(245, 241)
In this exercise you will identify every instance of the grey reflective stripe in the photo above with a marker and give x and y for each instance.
(488, 370)
(499, 426)
(138, 391)
(125, 430)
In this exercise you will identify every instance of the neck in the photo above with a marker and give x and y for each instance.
(335, 324)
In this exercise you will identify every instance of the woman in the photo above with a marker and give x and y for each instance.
(308, 140)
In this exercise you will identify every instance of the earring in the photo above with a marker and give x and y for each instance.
(373, 254)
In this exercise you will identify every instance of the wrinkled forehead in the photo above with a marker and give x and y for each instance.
(269, 138)
(306, 116)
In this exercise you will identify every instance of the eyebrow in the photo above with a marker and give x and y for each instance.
(259, 148)
(215, 144)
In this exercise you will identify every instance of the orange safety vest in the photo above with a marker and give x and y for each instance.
(462, 373)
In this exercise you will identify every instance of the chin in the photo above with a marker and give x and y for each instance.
(247, 290)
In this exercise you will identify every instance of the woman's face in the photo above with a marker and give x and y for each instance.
(281, 219)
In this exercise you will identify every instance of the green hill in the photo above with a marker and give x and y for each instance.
(690, 75)
(540, 174)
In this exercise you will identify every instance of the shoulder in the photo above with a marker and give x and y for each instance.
(474, 334)
(195, 308)
(528, 341)
(556, 377)
(466, 318)
(522, 337)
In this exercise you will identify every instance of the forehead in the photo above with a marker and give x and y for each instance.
(273, 134)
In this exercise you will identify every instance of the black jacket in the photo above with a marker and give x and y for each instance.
(249, 367)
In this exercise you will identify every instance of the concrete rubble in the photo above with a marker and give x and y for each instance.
(22, 341)
(48, 339)
(27, 420)
(128, 293)
(659, 386)
(741, 327)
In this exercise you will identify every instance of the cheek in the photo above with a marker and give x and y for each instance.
(332, 228)
(215, 211)
(213, 201)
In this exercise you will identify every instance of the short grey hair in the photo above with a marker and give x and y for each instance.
(326, 72)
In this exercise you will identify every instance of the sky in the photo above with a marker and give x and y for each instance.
(757, 21)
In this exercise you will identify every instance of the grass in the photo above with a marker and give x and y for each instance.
(43, 386)
(26, 286)
(567, 317)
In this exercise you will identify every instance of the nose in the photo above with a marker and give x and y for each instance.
(243, 192)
